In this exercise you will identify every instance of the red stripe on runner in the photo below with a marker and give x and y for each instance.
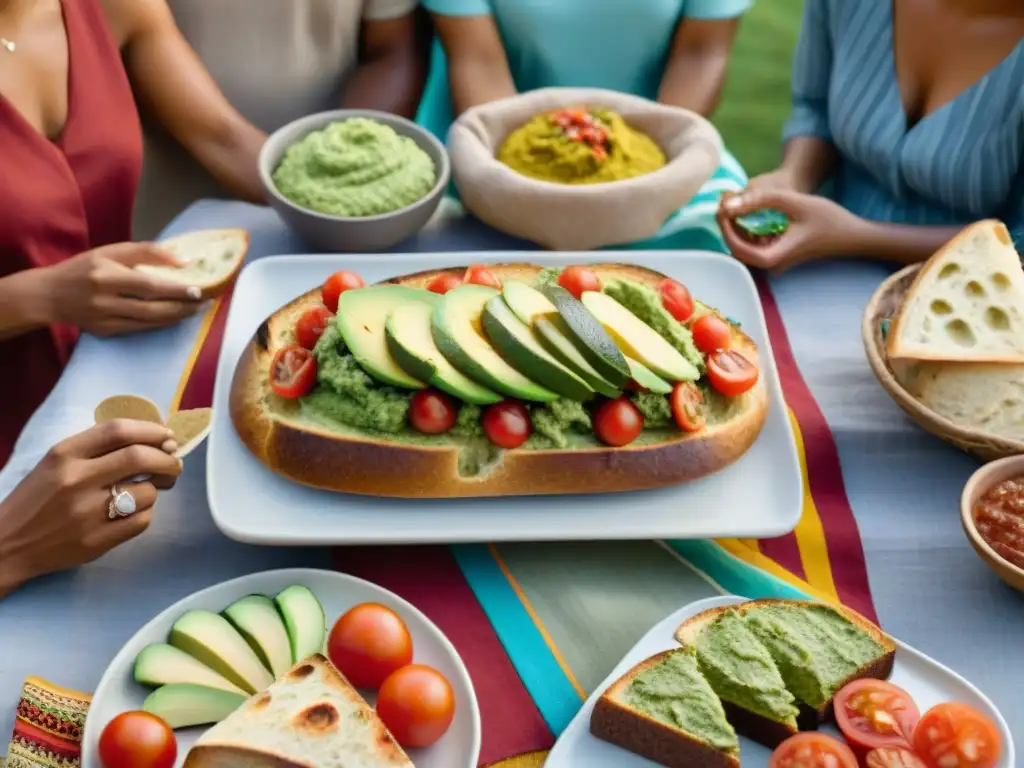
(198, 392)
(785, 551)
(430, 579)
(825, 475)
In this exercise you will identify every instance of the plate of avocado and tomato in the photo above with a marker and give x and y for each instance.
(203, 657)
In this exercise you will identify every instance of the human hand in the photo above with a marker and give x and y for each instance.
(780, 179)
(817, 227)
(58, 516)
(102, 294)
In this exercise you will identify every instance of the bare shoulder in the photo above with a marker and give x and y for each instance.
(131, 18)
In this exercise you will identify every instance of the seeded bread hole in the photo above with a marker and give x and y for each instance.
(1001, 281)
(997, 319)
(975, 289)
(960, 332)
(948, 271)
(940, 307)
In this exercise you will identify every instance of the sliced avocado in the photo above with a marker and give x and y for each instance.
(257, 620)
(639, 340)
(516, 343)
(183, 705)
(412, 344)
(361, 316)
(647, 378)
(527, 302)
(211, 639)
(556, 337)
(304, 617)
(163, 664)
(590, 336)
(458, 330)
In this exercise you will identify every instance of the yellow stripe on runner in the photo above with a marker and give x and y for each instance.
(507, 573)
(197, 347)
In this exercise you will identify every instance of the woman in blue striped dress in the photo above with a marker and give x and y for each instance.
(913, 112)
(673, 51)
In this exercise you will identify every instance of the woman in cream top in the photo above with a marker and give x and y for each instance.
(278, 60)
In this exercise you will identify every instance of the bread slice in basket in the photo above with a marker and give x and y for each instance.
(812, 649)
(311, 718)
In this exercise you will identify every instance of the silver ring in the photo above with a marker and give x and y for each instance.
(122, 504)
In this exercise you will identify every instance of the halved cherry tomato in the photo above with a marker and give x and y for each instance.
(507, 424)
(893, 757)
(874, 713)
(444, 283)
(676, 299)
(618, 422)
(687, 403)
(431, 412)
(631, 385)
(368, 643)
(731, 373)
(576, 280)
(954, 735)
(292, 371)
(337, 284)
(711, 332)
(812, 750)
(417, 705)
(311, 326)
(138, 740)
(480, 275)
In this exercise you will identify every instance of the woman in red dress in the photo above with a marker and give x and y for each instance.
(70, 158)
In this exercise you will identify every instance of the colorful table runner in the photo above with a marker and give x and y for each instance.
(527, 691)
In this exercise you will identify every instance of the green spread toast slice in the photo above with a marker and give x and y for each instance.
(663, 709)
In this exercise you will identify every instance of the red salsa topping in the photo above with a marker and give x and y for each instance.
(581, 125)
(999, 518)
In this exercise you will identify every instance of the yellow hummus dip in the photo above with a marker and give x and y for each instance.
(577, 146)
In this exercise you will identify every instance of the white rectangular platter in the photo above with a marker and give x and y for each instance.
(758, 496)
(926, 680)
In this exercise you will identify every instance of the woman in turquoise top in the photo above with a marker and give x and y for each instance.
(672, 51)
(914, 111)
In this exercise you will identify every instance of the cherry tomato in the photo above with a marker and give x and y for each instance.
(874, 713)
(954, 735)
(480, 275)
(337, 284)
(687, 403)
(311, 326)
(711, 332)
(893, 757)
(368, 643)
(812, 750)
(507, 424)
(676, 299)
(417, 705)
(137, 740)
(292, 371)
(431, 412)
(618, 422)
(444, 283)
(731, 373)
(632, 385)
(576, 280)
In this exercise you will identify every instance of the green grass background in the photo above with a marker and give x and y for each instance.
(756, 101)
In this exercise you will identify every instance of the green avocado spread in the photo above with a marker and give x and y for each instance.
(675, 693)
(815, 647)
(741, 670)
(645, 303)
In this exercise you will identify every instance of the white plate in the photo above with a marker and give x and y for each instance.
(337, 592)
(759, 496)
(926, 680)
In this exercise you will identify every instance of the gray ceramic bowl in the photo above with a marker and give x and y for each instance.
(353, 234)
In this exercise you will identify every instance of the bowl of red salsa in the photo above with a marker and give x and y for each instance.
(992, 512)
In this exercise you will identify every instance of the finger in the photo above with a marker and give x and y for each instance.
(750, 200)
(112, 533)
(133, 254)
(119, 280)
(163, 482)
(147, 311)
(131, 461)
(114, 435)
(753, 255)
(144, 494)
(122, 327)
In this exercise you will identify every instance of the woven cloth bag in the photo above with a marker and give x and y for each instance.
(580, 216)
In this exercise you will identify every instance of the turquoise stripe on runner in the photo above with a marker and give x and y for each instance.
(526, 647)
(731, 573)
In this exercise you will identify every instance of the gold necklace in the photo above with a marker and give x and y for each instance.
(8, 44)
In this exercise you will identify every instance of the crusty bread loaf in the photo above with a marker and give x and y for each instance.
(766, 731)
(966, 303)
(322, 458)
(617, 722)
(214, 257)
(311, 718)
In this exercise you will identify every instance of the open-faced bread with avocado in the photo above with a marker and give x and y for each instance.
(775, 663)
(502, 380)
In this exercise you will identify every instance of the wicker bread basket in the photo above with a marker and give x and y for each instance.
(885, 303)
